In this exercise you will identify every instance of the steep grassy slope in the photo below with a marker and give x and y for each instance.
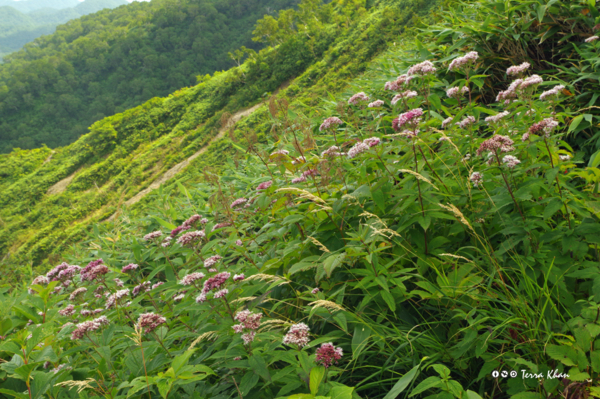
(362, 235)
(124, 154)
(105, 63)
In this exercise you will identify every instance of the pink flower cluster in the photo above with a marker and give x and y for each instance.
(142, 287)
(358, 98)
(409, 119)
(328, 354)
(333, 151)
(280, 153)
(300, 179)
(239, 277)
(88, 326)
(226, 224)
(502, 143)
(400, 81)
(591, 39)
(518, 69)
(150, 321)
(447, 121)
(464, 61)
(77, 292)
(215, 282)
(496, 118)
(153, 236)
(191, 278)
(69, 310)
(210, 262)
(130, 267)
(466, 122)
(329, 122)
(113, 299)
(555, 91)
(476, 179)
(94, 273)
(39, 280)
(456, 92)
(297, 335)
(264, 185)
(423, 68)
(511, 161)
(238, 202)
(545, 126)
(376, 104)
(358, 149)
(248, 321)
(404, 95)
(191, 237)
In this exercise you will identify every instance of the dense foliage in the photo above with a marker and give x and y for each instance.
(18, 28)
(124, 154)
(105, 63)
(418, 235)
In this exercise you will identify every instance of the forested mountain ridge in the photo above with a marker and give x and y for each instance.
(23, 21)
(125, 153)
(105, 63)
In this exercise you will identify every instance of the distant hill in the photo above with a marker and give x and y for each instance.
(23, 21)
(26, 6)
(104, 63)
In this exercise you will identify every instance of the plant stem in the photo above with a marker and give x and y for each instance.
(420, 195)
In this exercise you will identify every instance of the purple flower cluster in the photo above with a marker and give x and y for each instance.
(358, 98)
(502, 143)
(358, 149)
(422, 69)
(376, 104)
(130, 267)
(300, 179)
(297, 335)
(210, 262)
(191, 237)
(224, 224)
(215, 282)
(142, 287)
(465, 61)
(238, 202)
(466, 122)
(88, 326)
(94, 272)
(329, 122)
(511, 161)
(150, 321)
(333, 151)
(153, 236)
(404, 95)
(555, 91)
(264, 185)
(113, 299)
(545, 126)
(457, 92)
(77, 292)
(69, 310)
(248, 321)
(496, 118)
(518, 69)
(191, 278)
(239, 277)
(395, 85)
(328, 354)
(409, 119)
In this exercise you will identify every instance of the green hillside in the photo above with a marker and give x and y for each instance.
(105, 63)
(23, 21)
(395, 199)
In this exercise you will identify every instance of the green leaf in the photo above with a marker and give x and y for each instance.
(258, 364)
(574, 123)
(301, 396)
(181, 360)
(563, 354)
(552, 207)
(379, 198)
(472, 395)
(427, 383)
(165, 224)
(526, 395)
(333, 262)
(359, 340)
(389, 300)
(164, 387)
(13, 393)
(442, 370)
(316, 376)
(340, 392)
(402, 383)
(435, 101)
(249, 380)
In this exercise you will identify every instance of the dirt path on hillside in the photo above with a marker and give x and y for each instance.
(169, 174)
(61, 185)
